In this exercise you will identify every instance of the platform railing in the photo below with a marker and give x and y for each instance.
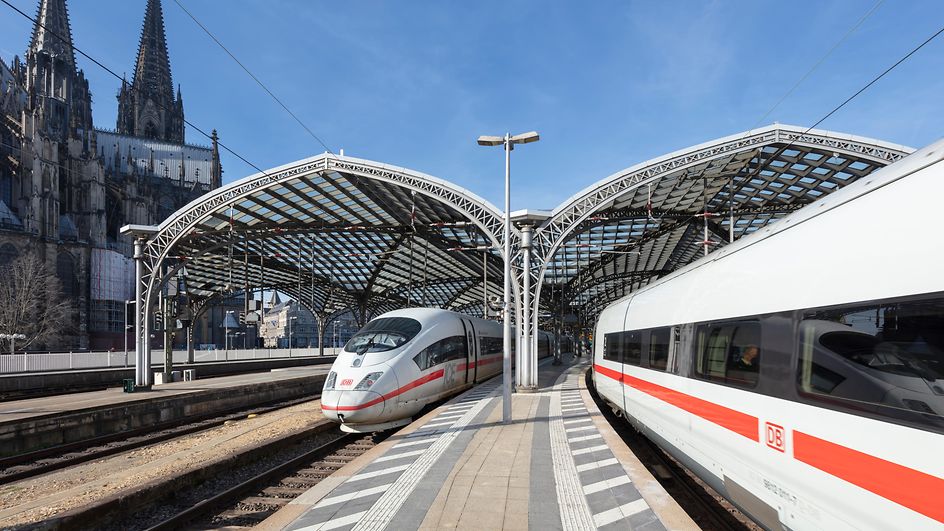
(64, 361)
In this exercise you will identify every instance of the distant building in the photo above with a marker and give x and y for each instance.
(290, 323)
(67, 187)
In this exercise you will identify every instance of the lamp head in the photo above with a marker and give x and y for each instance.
(526, 138)
(486, 140)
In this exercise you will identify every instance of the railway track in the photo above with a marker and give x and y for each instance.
(47, 460)
(251, 501)
(705, 506)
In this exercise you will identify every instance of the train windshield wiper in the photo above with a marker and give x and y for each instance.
(367, 346)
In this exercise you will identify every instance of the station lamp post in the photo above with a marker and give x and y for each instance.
(13, 338)
(508, 142)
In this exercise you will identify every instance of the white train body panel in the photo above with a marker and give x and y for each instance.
(429, 354)
(810, 456)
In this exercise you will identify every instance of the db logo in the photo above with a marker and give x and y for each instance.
(776, 437)
(347, 382)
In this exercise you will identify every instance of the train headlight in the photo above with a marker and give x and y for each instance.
(332, 378)
(368, 381)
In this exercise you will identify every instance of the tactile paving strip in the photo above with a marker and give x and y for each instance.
(369, 499)
(593, 487)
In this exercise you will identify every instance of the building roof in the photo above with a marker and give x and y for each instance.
(339, 234)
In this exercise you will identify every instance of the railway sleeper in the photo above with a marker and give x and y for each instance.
(268, 501)
(338, 459)
(236, 515)
(284, 492)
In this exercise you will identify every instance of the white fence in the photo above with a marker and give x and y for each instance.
(64, 361)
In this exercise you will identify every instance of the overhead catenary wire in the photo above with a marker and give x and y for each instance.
(836, 109)
(818, 63)
(253, 76)
(120, 78)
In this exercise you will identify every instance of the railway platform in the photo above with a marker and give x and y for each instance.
(557, 465)
(31, 424)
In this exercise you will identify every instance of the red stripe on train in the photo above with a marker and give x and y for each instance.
(740, 423)
(905, 486)
(415, 383)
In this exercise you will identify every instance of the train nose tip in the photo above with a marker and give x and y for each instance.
(352, 407)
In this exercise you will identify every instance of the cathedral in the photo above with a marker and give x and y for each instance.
(66, 187)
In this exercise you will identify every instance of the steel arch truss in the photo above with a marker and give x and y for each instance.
(337, 234)
(650, 219)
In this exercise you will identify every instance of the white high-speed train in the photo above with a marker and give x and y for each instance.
(800, 370)
(405, 359)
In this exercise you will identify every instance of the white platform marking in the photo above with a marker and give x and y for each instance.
(618, 513)
(438, 424)
(605, 484)
(581, 419)
(398, 456)
(368, 475)
(335, 523)
(591, 449)
(581, 428)
(350, 496)
(414, 443)
(574, 510)
(385, 508)
(597, 464)
(585, 438)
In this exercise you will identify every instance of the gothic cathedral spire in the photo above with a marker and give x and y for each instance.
(55, 88)
(148, 107)
(52, 34)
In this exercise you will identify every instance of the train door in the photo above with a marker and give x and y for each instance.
(471, 350)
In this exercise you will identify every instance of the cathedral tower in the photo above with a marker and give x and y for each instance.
(147, 107)
(58, 93)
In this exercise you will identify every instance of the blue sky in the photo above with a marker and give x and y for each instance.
(608, 83)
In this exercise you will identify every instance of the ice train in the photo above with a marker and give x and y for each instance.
(405, 359)
(800, 370)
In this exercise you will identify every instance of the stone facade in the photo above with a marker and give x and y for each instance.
(66, 188)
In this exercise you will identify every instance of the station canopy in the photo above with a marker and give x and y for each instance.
(336, 234)
(339, 234)
(653, 218)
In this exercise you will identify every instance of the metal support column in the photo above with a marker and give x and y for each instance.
(142, 345)
(170, 321)
(525, 368)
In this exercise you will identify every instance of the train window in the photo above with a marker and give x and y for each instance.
(659, 348)
(729, 353)
(492, 345)
(632, 348)
(449, 349)
(383, 334)
(612, 346)
(885, 359)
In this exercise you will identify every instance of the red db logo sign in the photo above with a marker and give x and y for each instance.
(776, 437)
(346, 382)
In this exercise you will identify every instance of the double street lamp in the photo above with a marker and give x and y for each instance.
(12, 338)
(508, 142)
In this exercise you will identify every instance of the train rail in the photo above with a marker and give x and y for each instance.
(706, 507)
(31, 464)
(251, 501)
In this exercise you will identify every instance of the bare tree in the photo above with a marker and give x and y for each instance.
(31, 301)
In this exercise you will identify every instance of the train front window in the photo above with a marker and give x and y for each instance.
(886, 359)
(383, 334)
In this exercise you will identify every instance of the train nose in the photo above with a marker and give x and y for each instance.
(352, 407)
